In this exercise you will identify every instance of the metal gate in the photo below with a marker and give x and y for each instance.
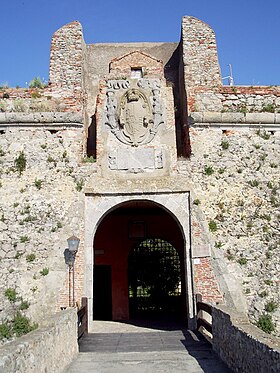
(154, 275)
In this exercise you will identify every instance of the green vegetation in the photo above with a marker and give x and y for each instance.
(225, 144)
(44, 271)
(24, 239)
(37, 82)
(212, 226)
(219, 244)
(263, 294)
(38, 183)
(208, 170)
(271, 306)
(24, 305)
(30, 257)
(89, 159)
(20, 162)
(263, 134)
(79, 185)
(269, 108)
(2, 153)
(265, 323)
(5, 331)
(11, 294)
(253, 183)
(22, 325)
(242, 261)
(196, 202)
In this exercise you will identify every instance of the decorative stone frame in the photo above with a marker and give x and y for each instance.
(98, 205)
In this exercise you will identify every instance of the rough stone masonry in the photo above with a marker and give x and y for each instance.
(123, 122)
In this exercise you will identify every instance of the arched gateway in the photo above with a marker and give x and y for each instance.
(139, 266)
(131, 236)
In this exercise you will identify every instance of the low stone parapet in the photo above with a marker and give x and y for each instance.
(242, 346)
(46, 350)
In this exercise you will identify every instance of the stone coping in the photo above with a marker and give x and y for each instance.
(57, 119)
(172, 184)
(241, 321)
(236, 119)
(50, 348)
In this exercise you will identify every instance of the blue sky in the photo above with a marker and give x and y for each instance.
(247, 32)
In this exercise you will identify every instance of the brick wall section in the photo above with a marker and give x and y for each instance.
(66, 65)
(206, 283)
(200, 60)
(121, 66)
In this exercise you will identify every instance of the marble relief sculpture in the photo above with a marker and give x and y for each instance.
(134, 114)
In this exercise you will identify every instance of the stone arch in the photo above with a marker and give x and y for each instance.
(98, 206)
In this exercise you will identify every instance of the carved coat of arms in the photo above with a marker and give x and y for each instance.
(134, 114)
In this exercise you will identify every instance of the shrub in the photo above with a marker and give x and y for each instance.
(254, 183)
(37, 82)
(24, 239)
(44, 271)
(22, 325)
(196, 202)
(2, 153)
(271, 306)
(38, 183)
(242, 261)
(11, 294)
(5, 330)
(265, 323)
(24, 305)
(225, 144)
(30, 257)
(79, 185)
(208, 170)
(212, 226)
(89, 159)
(20, 162)
(269, 108)
(219, 244)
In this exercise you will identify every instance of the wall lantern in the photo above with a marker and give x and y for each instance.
(70, 255)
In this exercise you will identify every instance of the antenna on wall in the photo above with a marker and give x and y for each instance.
(229, 77)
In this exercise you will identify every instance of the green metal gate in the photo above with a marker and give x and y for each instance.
(154, 275)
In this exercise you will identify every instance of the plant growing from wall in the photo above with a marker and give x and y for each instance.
(212, 226)
(11, 294)
(242, 261)
(197, 202)
(38, 183)
(265, 323)
(22, 325)
(44, 271)
(24, 239)
(20, 162)
(37, 82)
(30, 257)
(5, 331)
(271, 306)
(208, 170)
(269, 108)
(79, 185)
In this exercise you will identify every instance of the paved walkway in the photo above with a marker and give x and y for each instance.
(127, 348)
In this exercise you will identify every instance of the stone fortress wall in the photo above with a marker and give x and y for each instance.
(230, 132)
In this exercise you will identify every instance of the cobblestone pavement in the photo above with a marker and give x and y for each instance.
(134, 348)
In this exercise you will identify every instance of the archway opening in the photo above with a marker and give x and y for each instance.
(138, 246)
(154, 279)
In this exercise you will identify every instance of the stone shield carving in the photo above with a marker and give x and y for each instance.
(133, 113)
